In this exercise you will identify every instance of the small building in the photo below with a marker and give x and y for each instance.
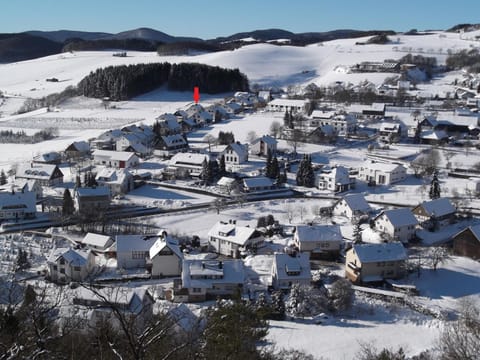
(133, 251)
(92, 201)
(97, 242)
(366, 263)
(390, 132)
(45, 174)
(320, 241)
(167, 124)
(77, 150)
(336, 179)
(433, 213)
(52, 157)
(378, 173)
(165, 257)
(262, 145)
(342, 124)
(17, 205)
(227, 184)
(23, 185)
(208, 279)
(119, 181)
(188, 164)
(257, 184)
(230, 239)
(290, 105)
(398, 224)
(290, 269)
(235, 154)
(167, 145)
(66, 265)
(467, 242)
(352, 206)
(115, 159)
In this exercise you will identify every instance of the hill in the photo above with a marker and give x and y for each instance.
(150, 35)
(63, 35)
(22, 46)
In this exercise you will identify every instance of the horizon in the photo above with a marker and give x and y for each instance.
(214, 19)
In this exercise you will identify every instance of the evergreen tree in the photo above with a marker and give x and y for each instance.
(205, 171)
(357, 233)
(3, 178)
(78, 182)
(309, 175)
(68, 207)
(221, 167)
(435, 191)
(278, 306)
(268, 166)
(275, 170)
(22, 260)
(214, 170)
(300, 178)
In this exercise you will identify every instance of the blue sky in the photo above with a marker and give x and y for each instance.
(212, 18)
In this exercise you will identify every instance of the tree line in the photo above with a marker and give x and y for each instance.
(21, 137)
(126, 81)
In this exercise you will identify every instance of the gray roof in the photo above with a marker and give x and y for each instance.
(307, 233)
(299, 263)
(357, 202)
(368, 253)
(439, 207)
(400, 217)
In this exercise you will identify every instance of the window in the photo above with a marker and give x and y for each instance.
(77, 268)
(196, 290)
(55, 267)
(62, 271)
(139, 254)
(62, 261)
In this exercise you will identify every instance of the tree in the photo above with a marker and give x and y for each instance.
(210, 140)
(68, 207)
(357, 233)
(305, 174)
(3, 178)
(294, 139)
(222, 169)
(268, 164)
(218, 204)
(437, 255)
(275, 129)
(305, 301)
(341, 295)
(251, 136)
(22, 260)
(261, 222)
(435, 191)
(275, 170)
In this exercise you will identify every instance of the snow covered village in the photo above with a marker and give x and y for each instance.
(333, 201)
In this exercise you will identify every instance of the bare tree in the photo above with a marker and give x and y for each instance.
(294, 139)
(275, 129)
(251, 136)
(210, 140)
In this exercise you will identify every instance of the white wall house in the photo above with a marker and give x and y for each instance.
(343, 124)
(397, 224)
(65, 265)
(115, 159)
(288, 270)
(262, 145)
(235, 154)
(318, 240)
(165, 257)
(97, 242)
(17, 205)
(283, 105)
(133, 250)
(352, 206)
(231, 239)
(92, 200)
(382, 173)
(336, 179)
(119, 181)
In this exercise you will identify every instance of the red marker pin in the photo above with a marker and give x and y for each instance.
(196, 94)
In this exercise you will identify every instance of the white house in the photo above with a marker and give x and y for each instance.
(390, 132)
(397, 224)
(116, 159)
(375, 262)
(262, 145)
(205, 279)
(17, 205)
(133, 250)
(119, 181)
(235, 154)
(437, 212)
(165, 257)
(336, 179)
(65, 265)
(188, 163)
(343, 124)
(288, 270)
(283, 105)
(45, 174)
(23, 185)
(380, 173)
(319, 240)
(352, 206)
(231, 239)
(168, 124)
(97, 242)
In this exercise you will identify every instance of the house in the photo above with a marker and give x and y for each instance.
(97, 242)
(235, 154)
(375, 262)
(116, 159)
(167, 124)
(257, 184)
(290, 269)
(397, 224)
(23, 185)
(352, 206)
(167, 145)
(66, 265)
(376, 109)
(290, 105)
(133, 305)
(187, 164)
(433, 213)
(77, 150)
(133, 251)
(467, 242)
(165, 257)
(17, 205)
(107, 140)
(433, 137)
(52, 157)
(390, 132)
(119, 181)
(320, 241)
(264, 96)
(342, 123)
(209, 279)
(262, 145)
(233, 108)
(232, 240)
(227, 184)
(378, 173)
(336, 179)
(92, 201)
(45, 174)
(324, 134)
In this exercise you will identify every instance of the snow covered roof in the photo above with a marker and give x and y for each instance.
(81, 146)
(292, 267)
(73, 257)
(368, 253)
(399, 217)
(225, 181)
(438, 207)
(113, 176)
(114, 155)
(38, 171)
(163, 242)
(174, 140)
(204, 274)
(170, 121)
(239, 149)
(320, 114)
(188, 159)
(313, 233)
(231, 232)
(259, 181)
(96, 191)
(267, 139)
(48, 157)
(17, 200)
(382, 166)
(129, 299)
(288, 102)
(389, 127)
(97, 240)
(434, 135)
(127, 243)
(357, 202)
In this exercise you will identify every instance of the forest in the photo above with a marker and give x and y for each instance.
(126, 81)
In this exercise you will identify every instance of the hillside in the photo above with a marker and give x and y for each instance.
(22, 46)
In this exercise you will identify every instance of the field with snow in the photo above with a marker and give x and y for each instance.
(371, 321)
